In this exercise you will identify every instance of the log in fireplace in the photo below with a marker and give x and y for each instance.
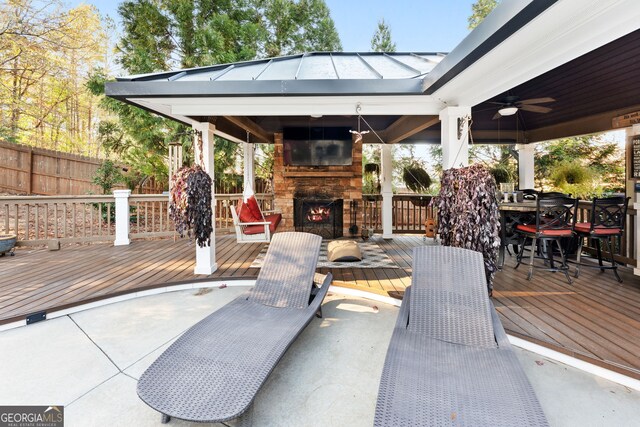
(321, 217)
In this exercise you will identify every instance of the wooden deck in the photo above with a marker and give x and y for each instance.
(595, 319)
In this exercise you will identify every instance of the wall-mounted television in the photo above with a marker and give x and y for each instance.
(317, 146)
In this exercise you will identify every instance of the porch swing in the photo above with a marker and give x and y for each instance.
(251, 224)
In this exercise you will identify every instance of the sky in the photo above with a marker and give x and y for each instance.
(416, 25)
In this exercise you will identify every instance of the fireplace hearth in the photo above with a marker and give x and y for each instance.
(322, 217)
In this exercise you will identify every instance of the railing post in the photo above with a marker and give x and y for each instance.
(122, 217)
(386, 158)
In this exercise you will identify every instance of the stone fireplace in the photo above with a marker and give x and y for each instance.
(313, 191)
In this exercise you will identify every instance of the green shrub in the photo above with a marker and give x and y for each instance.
(107, 175)
(576, 179)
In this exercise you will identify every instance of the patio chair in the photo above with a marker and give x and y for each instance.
(449, 361)
(214, 370)
(555, 218)
(608, 217)
(250, 223)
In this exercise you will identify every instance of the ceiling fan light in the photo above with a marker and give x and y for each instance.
(508, 111)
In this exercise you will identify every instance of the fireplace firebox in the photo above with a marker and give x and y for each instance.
(321, 217)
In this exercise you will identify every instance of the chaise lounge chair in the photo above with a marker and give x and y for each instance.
(214, 370)
(449, 361)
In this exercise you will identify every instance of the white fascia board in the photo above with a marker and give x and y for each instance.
(163, 109)
(565, 31)
(418, 105)
(493, 22)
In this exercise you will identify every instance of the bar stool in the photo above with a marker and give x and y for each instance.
(608, 217)
(555, 218)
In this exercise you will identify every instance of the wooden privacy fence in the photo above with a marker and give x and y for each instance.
(71, 219)
(29, 170)
(410, 211)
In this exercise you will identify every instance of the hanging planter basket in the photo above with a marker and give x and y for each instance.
(416, 178)
(422, 201)
(372, 168)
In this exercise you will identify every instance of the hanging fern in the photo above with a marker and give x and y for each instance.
(468, 214)
(416, 178)
(190, 204)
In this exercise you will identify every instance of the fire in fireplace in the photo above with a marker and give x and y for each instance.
(321, 217)
(319, 214)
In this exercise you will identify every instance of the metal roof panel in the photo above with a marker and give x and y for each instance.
(389, 68)
(351, 67)
(281, 70)
(317, 67)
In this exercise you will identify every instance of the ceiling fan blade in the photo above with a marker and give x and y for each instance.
(536, 101)
(496, 116)
(535, 108)
(496, 103)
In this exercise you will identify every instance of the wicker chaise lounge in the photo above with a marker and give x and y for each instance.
(449, 361)
(214, 370)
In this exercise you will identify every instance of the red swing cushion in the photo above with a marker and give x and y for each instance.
(273, 220)
(249, 211)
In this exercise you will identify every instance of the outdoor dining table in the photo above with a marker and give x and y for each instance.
(512, 214)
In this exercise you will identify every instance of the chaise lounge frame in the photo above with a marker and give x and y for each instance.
(213, 372)
(449, 361)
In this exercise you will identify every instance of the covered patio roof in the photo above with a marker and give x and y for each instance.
(582, 53)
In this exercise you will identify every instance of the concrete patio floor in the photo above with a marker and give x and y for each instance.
(89, 362)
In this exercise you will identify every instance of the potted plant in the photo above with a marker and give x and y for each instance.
(190, 204)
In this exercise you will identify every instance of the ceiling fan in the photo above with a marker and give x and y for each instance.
(511, 104)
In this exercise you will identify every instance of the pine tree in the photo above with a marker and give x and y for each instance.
(480, 9)
(381, 40)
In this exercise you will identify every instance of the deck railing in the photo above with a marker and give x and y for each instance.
(39, 219)
(410, 211)
(36, 220)
(624, 247)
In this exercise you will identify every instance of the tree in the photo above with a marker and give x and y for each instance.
(167, 34)
(595, 152)
(292, 27)
(381, 40)
(46, 52)
(480, 10)
(107, 175)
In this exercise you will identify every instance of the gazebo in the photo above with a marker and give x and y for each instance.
(580, 53)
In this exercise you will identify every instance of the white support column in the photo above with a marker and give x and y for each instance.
(122, 217)
(635, 197)
(455, 136)
(386, 158)
(526, 166)
(249, 166)
(206, 256)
